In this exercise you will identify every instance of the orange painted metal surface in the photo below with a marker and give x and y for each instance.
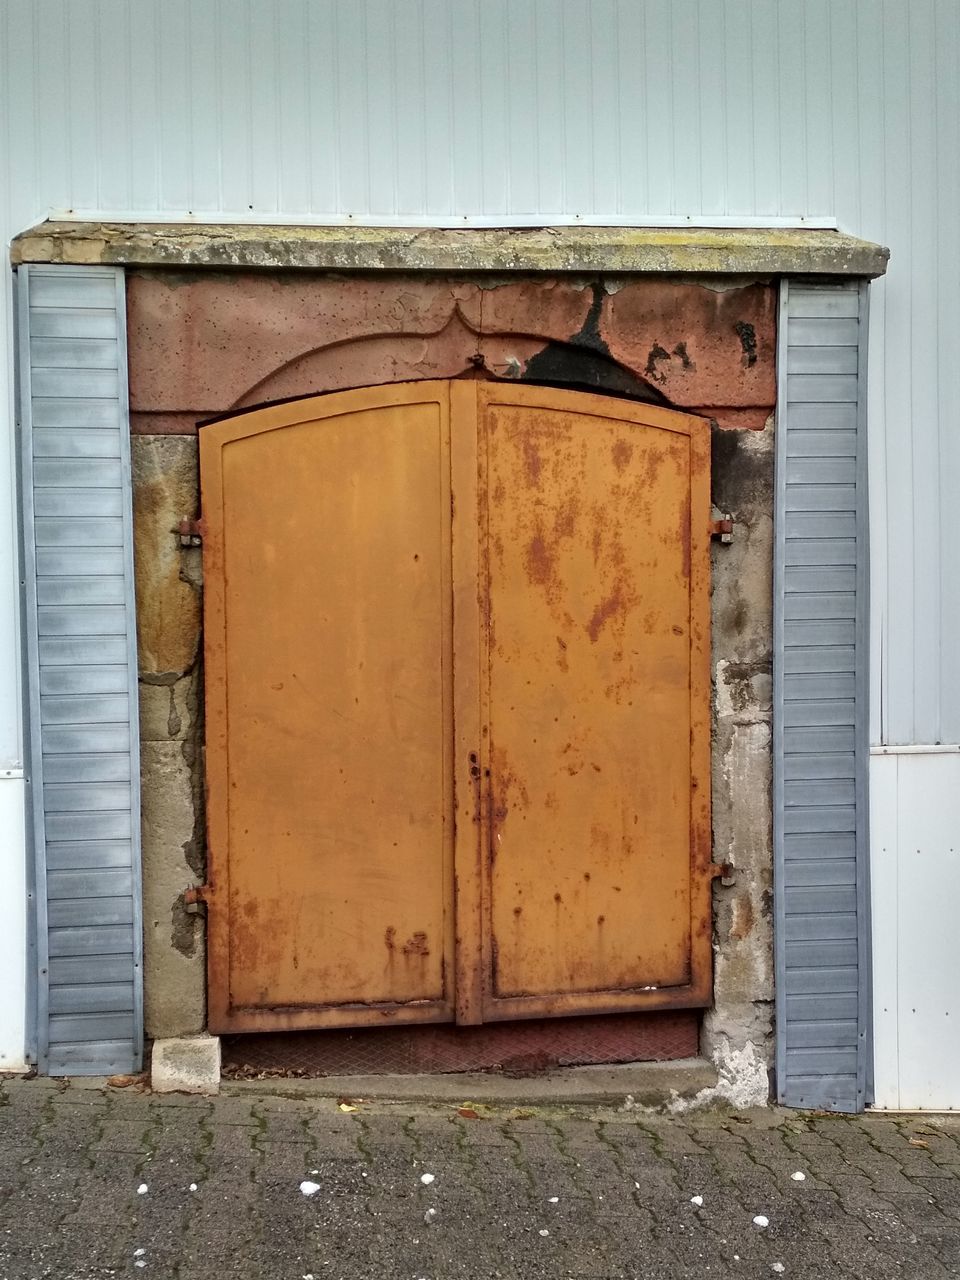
(329, 716)
(457, 666)
(595, 703)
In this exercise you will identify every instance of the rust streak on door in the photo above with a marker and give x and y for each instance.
(471, 755)
(329, 716)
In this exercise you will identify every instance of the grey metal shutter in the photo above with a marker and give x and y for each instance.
(81, 668)
(820, 700)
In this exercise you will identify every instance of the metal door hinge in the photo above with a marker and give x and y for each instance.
(722, 528)
(725, 872)
(195, 899)
(191, 532)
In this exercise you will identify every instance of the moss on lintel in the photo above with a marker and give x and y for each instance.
(685, 251)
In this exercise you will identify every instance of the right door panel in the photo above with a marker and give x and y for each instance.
(594, 583)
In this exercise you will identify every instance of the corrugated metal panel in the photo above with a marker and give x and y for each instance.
(82, 671)
(820, 697)
(540, 111)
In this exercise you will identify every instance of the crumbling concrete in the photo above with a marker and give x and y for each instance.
(165, 488)
(190, 1064)
(738, 1030)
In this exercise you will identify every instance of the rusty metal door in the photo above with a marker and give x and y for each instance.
(329, 716)
(591, 890)
(457, 648)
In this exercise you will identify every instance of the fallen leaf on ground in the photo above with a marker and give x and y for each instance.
(468, 1113)
(123, 1082)
(348, 1106)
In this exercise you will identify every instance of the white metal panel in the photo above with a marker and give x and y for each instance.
(884, 853)
(917, 943)
(17, 155)
(13, 913)
(944, 391)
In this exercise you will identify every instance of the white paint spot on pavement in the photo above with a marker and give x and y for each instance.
(553, 1200)
(309, 1188)
(427, 1178)
(544, 1231)
(697, 1201)
(798, 1176)
(761, 1221)
(429, 1216)
(142, 1189)
(778, 1267)
(138, 1253)
(193, 1186)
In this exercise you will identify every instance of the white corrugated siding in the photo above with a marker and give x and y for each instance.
(519, 111)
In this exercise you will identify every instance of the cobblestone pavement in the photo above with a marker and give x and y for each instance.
(104, 1182)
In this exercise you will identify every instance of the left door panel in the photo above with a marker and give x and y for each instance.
(329, 718)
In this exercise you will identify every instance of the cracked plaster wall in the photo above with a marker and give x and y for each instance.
(738, 1030)
(171, 732)
(210, 342)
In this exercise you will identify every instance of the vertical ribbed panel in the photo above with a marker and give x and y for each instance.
(542, 111)
(80, 626)
(820, 700)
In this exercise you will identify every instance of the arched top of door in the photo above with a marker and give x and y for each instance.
(488, 390)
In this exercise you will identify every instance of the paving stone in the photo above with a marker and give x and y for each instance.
(71, 1162)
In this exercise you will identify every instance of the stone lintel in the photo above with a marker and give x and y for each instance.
(585, 250)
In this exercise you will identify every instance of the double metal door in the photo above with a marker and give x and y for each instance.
(457, 698)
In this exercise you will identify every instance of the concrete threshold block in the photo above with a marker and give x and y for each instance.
(644, 1085)
(189, 1064)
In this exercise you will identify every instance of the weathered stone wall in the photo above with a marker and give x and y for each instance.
(206, 343)
(165, 487)
(738, 1031)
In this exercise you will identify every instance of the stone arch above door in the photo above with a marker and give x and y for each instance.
(210, 343)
